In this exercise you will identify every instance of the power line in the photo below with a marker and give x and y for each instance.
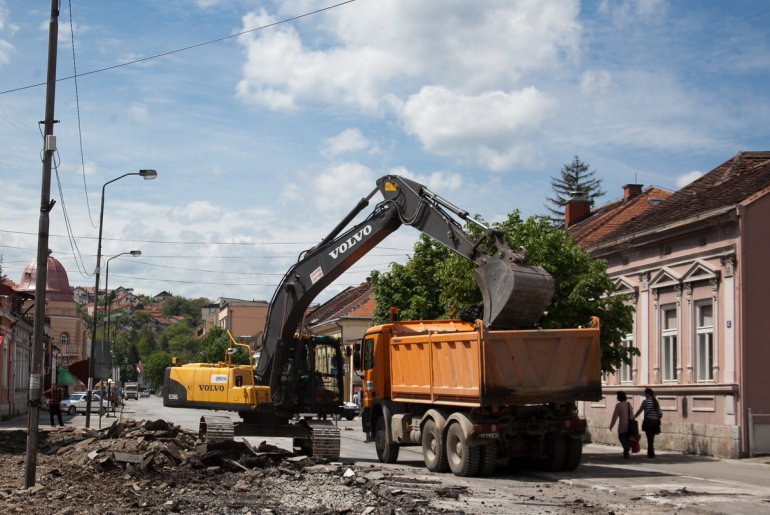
(183, 49)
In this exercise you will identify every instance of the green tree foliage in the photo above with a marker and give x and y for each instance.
(413, 288)
(180, 341)
(146, 342)
(155, 368)
(214, 344)
(575, 176)
(182, 306)
(582, 284)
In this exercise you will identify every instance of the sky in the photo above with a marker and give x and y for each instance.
(266, 126)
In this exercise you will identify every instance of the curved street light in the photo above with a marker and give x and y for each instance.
(147, 175)
(107, 300)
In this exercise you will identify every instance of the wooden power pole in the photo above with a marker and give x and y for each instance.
(41, 279)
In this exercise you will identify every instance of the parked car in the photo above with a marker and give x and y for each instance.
(350, 410)
(76, 403)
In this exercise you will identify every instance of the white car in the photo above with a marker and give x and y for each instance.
(76, 403)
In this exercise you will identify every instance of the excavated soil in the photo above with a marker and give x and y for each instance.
(156, 467)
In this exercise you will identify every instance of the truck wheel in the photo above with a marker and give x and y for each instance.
(463, 459)
(488, 460)
(386, 452)
(573, 454)
(555, 452)
(433, 450)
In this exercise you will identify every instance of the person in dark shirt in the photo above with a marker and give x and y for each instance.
(651, 421)
(54, 397)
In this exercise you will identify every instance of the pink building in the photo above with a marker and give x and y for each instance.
(695, 267)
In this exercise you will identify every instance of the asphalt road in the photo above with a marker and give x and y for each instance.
(673, 481)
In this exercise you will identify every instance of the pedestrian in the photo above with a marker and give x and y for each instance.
(54, 397)
(622, 415)
(357, 398)
(651, 421)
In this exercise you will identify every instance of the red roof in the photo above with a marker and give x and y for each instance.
(614, 215)
(352, 302)
(730, 183)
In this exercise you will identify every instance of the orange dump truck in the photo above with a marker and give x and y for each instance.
(471, 396)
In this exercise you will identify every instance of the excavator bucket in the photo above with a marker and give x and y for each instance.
(515, 295)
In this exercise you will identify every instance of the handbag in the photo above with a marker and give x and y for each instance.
(633, 425)
(635, 447)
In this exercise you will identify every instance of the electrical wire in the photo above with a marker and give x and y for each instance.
(183, 49)
(72, 240)
(77, 109)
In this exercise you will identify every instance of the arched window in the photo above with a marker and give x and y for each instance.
(64, 339)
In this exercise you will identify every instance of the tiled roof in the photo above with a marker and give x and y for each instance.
(726, 185)
(353, 302)
(614, 215)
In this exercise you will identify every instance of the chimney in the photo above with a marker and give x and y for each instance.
(577, 209)
(631, 190)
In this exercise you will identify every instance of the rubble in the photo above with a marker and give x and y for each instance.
(157, 467)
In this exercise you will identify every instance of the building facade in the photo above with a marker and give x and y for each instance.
(694, 267)
(16, 327)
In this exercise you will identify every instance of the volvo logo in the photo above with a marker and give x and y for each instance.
(351, 242)
(212, 387)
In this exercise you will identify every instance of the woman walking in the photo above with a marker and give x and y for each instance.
(651, 421)
(622, 415)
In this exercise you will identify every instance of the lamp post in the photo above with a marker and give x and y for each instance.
(108, 305)
(146, 175)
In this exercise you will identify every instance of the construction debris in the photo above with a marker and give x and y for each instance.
(157, 467)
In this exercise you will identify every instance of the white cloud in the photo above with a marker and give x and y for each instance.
(344, 182)
(628, 11)
(684, 180)
(595, 82)
(6, 28)
(349, 140)
(195, 212)
(439, 182)
(140, 112)
(496, 129)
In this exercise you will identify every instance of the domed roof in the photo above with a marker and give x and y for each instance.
(57, 283)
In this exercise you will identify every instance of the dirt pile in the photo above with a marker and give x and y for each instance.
(157, 467)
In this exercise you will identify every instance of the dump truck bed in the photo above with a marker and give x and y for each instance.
(465, 365)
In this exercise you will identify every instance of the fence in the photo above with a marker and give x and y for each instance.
(759, 433)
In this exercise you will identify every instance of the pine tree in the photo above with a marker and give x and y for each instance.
(575, 176)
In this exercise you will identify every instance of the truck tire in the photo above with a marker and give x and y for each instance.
(555, 452)
(433, 449)
(386, 452)
(463, 459)
(488, 460)
(573, 454)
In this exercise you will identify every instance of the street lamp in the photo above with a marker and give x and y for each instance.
(147, 175)
(108, 301)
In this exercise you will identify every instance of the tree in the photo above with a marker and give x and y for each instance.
(413, 288)
(214, 344)
(583, 288)
(180, 341)
(155, 368)
(182, 306)
(574, 177)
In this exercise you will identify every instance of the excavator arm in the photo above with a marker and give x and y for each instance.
(514, 294)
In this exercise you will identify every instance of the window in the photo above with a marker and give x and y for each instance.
(64, 340)
(668, 343)
(704, 335)
(368, 353)
(626, 373)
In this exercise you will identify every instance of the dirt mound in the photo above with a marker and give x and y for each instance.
(157, 467)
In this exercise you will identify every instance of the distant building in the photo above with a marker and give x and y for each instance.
(16, 327)
(245, 319)
(69, 333)
(162, 296)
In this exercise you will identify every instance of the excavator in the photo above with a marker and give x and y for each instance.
(295, 387)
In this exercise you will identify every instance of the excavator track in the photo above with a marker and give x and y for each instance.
(323, 440)
(216, 429)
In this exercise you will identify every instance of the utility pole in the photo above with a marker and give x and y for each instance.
(41, 279)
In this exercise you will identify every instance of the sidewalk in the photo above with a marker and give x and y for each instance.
(78, 421)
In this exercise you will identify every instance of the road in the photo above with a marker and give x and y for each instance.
(673, 481)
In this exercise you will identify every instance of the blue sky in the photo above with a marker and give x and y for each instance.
(262, 142)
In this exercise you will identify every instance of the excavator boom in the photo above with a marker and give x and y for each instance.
(514, 293)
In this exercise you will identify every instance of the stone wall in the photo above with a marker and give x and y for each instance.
(700, 439)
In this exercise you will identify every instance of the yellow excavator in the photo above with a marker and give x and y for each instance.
(295, 387)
